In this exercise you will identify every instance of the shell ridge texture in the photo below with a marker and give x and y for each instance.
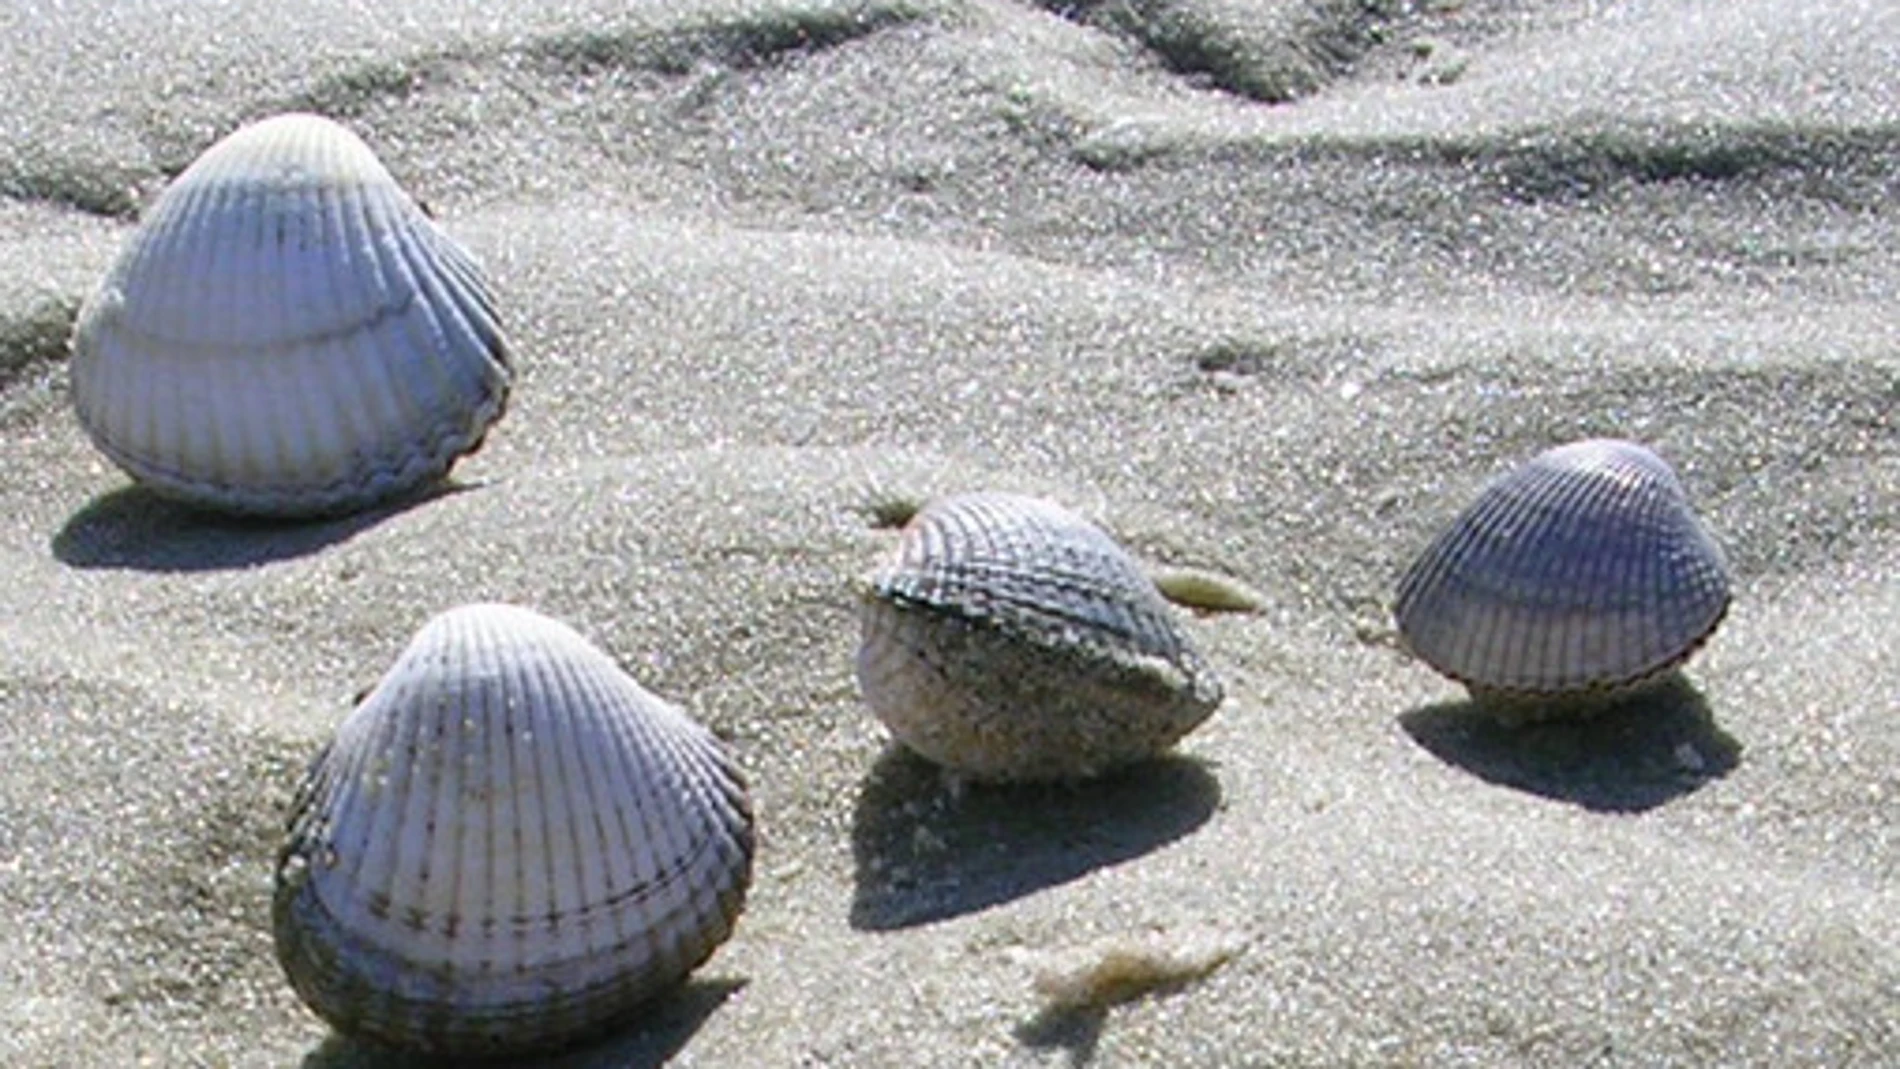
(286, 333)
(1583, 571)
(533, 850)
(1090, 600)
(586, 847)
(1010, 639)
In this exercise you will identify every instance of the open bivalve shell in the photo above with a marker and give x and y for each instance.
(1009, 639)
(288, 334)
(508, 846)
(1580, 575)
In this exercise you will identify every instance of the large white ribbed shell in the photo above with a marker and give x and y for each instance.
(288, 334)
(1010, 639)
(508, 845)
(1583, 571)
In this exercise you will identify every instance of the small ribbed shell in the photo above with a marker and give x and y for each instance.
(1009, 639)
(1583, 572)
(508, 846)
(288, 334)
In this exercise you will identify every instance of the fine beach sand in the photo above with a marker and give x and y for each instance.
(1265, 287)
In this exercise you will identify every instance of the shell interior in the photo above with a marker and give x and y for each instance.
(508, 845)
(287, 333)
(1584, 569)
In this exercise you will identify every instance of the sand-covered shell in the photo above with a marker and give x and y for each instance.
(1582, 573)
(287, 333)
(508, 846)
(1009, 639)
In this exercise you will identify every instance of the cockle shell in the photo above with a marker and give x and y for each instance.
(1009, 639)
(1582, 573)
(507, 846)
(288, 334)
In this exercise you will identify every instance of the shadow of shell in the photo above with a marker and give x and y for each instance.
(927, 851)
(1639, 752)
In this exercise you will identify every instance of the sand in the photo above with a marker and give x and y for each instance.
(1268, 288)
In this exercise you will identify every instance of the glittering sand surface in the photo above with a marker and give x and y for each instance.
(1265, 287)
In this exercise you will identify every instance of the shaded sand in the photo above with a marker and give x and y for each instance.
(1268, 288)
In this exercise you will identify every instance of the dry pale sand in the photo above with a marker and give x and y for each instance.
(1267, 287)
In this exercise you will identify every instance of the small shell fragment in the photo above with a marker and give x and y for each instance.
(288, 334)
(1579, 575)
(1197, 588)
(1009, 639)
(508, 846)
(1122, 968)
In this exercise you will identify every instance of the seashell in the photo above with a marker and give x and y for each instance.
(288, 334)
(1577, 576)
(1009, 639)
(508, 846)
(1208, 591)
